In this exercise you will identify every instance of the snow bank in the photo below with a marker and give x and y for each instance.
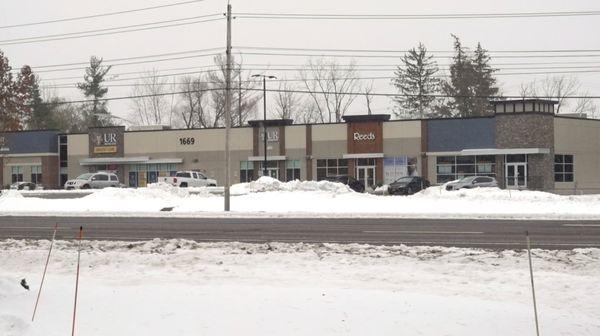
(266, 184)
(269, 197)
(180, 287)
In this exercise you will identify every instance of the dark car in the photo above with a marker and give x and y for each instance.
(408, 185)
(350, 181)
(25, 186)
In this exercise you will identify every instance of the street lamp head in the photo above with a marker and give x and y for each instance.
(263, 76)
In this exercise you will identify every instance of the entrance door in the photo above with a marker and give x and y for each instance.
(516, 175)
(366, 175)
(272, 169)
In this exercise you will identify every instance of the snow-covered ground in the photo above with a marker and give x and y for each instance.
(177, 287)
(269, 197)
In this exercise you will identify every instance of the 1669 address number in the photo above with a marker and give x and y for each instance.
(187, 141)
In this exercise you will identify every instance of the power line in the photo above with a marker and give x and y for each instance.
(444, 16)
(108, 31)
(398, 51)
(219, 48)
(138, 62)
(99, 15)
(396, 56)
(123, 59)
(586, 69)
(316, 92)
(74, 85)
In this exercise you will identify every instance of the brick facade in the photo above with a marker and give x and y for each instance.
(528, 130)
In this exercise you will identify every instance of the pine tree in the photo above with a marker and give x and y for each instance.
(484, 81)
(416, 84)
(96, 112)
(8, 108)
(460, 86)
(471, 83)
(26, 88)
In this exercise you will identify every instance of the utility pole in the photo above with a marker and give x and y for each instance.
(265, 171)
(227, 107)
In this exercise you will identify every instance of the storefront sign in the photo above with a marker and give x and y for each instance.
(364, 136)
(272, 135)
(106, 141)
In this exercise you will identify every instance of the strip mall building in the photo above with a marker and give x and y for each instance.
(523, 145)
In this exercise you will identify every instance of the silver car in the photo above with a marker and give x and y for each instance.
(472, 182)
(93, 181)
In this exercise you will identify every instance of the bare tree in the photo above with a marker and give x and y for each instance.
(153, 107)
(244, 95)
(287, 102)
(193, 106)
(330, 87)
(557, 87)
(585, 106)
(368, 97)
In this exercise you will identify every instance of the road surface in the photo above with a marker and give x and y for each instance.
(492, 234)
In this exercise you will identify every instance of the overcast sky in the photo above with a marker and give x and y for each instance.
(578, 32)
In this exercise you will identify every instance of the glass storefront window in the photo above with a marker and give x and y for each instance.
(331, 167)
(451, 168)
(36, 174)
(563, 168)
(16, 174)
(292, 170)
(246, 171)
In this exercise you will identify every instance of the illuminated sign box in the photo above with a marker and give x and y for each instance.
(105, 149)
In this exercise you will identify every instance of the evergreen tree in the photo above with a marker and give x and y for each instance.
(96, 112)
(460, 85)
(416, 84)
(26, 88)
(8, 108)
(471, 83)
(484, 81)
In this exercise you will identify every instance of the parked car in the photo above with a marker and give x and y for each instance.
(93, 181)
(472, 182)
(408, 185)
(26, 186)
(350, 181)
(186, 179)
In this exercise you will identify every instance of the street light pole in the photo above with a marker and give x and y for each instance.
(264, 77)
(265, 172)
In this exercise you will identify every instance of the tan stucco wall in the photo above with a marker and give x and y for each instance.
(78, 144)
(581, 138)
(25, 162)
(295, 136)
(137, 143)
(402, 129)
(329, 132)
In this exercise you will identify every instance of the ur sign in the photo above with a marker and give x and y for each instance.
(363, 137)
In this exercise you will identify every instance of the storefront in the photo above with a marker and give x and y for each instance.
(524, 146)
(29, 156)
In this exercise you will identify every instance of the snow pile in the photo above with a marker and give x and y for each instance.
(180, 287)
(269, 197)
(268, 184)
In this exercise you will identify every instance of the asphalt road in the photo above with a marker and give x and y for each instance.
(492, 234)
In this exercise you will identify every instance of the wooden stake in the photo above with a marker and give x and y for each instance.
(537, 327)
(44, 274)
(77, 279)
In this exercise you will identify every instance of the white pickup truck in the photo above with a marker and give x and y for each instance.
(186, 179)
